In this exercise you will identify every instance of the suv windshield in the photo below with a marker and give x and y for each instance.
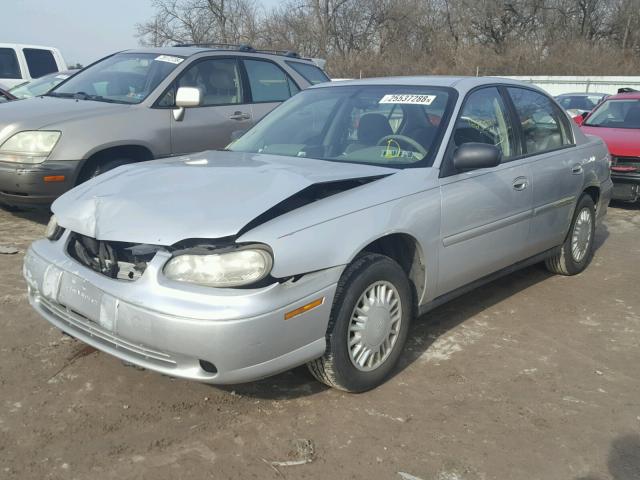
(394, 126)
(121, 78)
(623, 113)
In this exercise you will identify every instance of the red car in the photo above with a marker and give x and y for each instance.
(617, 122)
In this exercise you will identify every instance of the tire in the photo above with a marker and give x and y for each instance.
(102, 167)
(387, 325)
(568, 260)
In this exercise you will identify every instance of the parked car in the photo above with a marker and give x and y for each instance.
(617, 122)
(5, 96)
(578, 104)
(140, 105)
(20, 63)
(40, 86)
(319, 234)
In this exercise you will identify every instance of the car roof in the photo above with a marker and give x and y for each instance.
(582, 94)
(188, 51)
(24, 45)
(625, 96)
(460, 83)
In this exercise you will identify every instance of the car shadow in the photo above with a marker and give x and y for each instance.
(623, 461)
(625, 205)
(40, 215)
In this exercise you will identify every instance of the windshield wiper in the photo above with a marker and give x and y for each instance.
(58, 95)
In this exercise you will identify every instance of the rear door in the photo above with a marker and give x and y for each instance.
(270, 85)
(556, 165)
(486, 213)
(224, 109)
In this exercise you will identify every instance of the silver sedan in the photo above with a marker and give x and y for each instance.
(321, 233)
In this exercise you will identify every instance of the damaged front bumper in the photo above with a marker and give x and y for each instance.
(211, 335)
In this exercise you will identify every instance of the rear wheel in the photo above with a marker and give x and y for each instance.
(368, 325)
(576, 252)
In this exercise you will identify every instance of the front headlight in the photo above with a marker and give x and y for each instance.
(229, 269)
(29, 147)
(53, 231)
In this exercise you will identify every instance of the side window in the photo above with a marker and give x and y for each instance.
(218, 81)
(9, 67)
(310, 73)
(544, 126)
(40, 62)
(268, 82)
(484, 119)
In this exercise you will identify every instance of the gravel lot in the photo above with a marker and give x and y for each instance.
(530, 377)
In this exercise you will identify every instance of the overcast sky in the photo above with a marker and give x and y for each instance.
(83, 30)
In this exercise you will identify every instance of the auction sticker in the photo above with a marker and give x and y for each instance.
(408, 99)
(169, 59)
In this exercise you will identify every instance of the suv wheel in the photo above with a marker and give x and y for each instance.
(577, 250)
(102, 167)
(368, 325)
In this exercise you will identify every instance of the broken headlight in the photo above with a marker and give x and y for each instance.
(53, 231)
(227, 269)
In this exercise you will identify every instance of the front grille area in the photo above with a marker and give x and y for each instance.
(120, 260)
(625, 164)
(76, 323)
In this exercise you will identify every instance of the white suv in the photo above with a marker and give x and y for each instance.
(19, 63)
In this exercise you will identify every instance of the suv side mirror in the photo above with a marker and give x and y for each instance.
(186, 97)
(471, 156)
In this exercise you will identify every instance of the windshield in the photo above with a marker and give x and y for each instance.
(40, 86)
(579, 102)
(121, 78)
(623, 113)
(393, 126)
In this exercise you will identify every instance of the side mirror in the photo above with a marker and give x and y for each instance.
(186, 97)
(472, 156)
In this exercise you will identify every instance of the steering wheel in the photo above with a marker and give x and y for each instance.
(403, 139)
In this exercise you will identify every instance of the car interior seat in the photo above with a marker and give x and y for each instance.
(371, 128)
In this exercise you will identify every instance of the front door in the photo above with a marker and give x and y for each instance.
(556, 166)
(486, 213)
(223, 110)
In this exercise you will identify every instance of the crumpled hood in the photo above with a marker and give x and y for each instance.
(206, 195)
(41, 112)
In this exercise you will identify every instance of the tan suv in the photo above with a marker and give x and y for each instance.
(140, 105)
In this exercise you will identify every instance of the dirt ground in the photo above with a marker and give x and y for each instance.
(531, 377)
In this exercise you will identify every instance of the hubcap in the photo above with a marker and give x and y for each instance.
(374, 326)
(581, 238)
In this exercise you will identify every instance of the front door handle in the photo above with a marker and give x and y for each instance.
(520, 184)
(577, 169)
(239, 116)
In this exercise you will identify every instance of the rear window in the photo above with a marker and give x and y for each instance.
(269, 83)
(310, 73)
(40, 62)
(9, 67)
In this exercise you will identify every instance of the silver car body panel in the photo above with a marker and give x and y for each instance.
(465, 227)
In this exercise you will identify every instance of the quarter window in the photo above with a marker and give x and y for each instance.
(9, 67)
(268, 82)
(484, 119)
(544, 126)
(40, 62)
(310, 73)
(218, 80)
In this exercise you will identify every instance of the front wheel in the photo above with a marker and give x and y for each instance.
(576, 252)
(368, 325)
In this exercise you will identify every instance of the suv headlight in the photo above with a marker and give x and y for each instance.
(29, 146)
(228, 269)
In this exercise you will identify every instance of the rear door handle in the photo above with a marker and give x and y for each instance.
(520, 184)
(239, 116)
(577, 169)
